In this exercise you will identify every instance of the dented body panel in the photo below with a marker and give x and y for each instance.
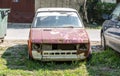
(59, 43)
(60, 56)
(59, 35)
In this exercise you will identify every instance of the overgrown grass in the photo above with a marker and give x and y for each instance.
(14, 62)
(93, 27)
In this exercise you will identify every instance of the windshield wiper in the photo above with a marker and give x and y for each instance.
(68, 27)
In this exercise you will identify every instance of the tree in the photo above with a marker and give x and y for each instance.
(85, 16)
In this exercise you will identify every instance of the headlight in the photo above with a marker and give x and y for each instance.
(37, 47)
(82, 47)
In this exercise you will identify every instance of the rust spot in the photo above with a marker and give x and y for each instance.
(61, 40)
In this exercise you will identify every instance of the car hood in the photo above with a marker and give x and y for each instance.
(59, 35)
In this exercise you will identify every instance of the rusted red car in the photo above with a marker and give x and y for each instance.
(58, 34)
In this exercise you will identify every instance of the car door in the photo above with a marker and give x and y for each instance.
(108, 28)
(116, 37)
(111, 29)
(112, 35)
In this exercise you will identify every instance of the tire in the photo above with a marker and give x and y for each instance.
(103, 42)
(89, 57)
(29, 57)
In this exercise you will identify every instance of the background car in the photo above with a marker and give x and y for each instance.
(110, 32)
(58, 34)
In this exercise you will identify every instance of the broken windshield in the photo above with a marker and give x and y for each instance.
(57, 19)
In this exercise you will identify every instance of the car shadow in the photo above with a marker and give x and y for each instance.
(16, 57)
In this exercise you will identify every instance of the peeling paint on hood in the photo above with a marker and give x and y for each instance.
(58, 35)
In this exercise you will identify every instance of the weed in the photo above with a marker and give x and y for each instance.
(14, 62)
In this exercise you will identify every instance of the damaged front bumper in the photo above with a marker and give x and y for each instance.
(58, 55)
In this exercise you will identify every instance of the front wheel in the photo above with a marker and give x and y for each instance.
(103, 42)
(89, 57)
(29, 57)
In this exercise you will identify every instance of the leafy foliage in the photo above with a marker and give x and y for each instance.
(96, 10)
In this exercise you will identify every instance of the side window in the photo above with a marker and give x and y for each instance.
(16, 1)
(116, 12)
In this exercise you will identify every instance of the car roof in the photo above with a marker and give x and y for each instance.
(56, 9)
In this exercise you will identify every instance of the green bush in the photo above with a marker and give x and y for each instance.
(96, 10)
(106, 8)
(103, 9)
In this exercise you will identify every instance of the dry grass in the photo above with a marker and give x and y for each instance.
(14, 62)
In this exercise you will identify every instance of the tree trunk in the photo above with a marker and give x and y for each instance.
(85, 11)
